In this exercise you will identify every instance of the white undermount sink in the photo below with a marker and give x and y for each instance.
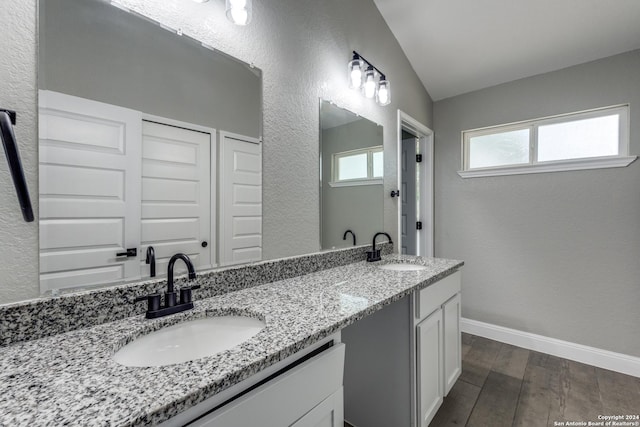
(188, 340)
(402, 266)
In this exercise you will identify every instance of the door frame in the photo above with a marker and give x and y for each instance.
(426, 148)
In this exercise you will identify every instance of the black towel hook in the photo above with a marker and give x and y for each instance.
(7, 120)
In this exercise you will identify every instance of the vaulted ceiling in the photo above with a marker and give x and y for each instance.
(458, 46)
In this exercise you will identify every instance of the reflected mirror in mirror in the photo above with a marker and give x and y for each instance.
(352, 170)
(147, 139)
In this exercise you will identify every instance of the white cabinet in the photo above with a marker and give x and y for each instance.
(438, 361)
(329, 413)
(429, 366)
(307, 395)
(451, 312)
(381, 389)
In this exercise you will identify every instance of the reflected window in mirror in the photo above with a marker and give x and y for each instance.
(358, 166)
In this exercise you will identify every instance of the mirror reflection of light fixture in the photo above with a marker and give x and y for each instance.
(381, 89)
(239, 11)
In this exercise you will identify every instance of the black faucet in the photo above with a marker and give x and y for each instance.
(374, 254)
(151, 260)
(344, 237)
(171, 305)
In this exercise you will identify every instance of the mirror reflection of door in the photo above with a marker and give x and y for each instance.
(176, 195)
(130, 156)
(409, 194)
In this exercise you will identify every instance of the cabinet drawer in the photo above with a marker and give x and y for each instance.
(285, 399)
(432, 297)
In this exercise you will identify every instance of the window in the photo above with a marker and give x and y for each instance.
(357, 167)
(585, 140)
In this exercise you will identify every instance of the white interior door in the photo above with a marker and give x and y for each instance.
(241, 199)
(89, 191)
(422, 195)
(176, 195)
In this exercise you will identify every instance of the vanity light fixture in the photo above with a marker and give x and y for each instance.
(365, 79)
(238, 11)
(355, 72)
(369, 83)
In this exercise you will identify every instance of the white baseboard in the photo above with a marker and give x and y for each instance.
(605, 359)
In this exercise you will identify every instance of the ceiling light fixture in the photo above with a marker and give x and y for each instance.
(365, 79)
(239, 11)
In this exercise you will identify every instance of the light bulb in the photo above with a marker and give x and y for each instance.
(369, 84)
(239, 11)
(384, 92)
(239, 16)
(355, 72)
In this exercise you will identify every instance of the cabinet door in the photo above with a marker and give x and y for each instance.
(329, 413)
(288, 398)
(430, 366)
(452, 342)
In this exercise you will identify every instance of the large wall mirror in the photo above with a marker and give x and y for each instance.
(351, 177)
(147, 139)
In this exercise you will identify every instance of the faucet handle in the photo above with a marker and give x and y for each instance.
(373, 256)
(185, 294)
(153, 301)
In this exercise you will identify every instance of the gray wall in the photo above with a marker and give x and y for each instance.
(358, 208)
(556, 254)
(93, 50)
(302, 48)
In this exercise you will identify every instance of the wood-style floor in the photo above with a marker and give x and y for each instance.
(502, 385)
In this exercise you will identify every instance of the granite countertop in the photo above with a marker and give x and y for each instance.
(71, 379)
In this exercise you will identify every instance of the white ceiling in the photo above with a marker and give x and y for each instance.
(458, 46)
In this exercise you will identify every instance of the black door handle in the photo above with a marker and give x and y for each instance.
(131, 252)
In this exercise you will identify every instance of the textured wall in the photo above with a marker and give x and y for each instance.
(302, 47)
(555, 254)
(18, 239)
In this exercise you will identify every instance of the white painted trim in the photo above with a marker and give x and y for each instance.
(178, 123)
(352, 183)
(239, 137)
(425, 136)
(605, 359)
(559, 166)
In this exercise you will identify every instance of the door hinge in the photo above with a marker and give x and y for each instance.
(418, 158)
(419, 225)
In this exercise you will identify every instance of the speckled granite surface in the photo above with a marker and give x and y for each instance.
(70, 378)
(45, 317)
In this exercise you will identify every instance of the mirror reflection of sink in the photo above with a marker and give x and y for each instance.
(188, 340)
(402, 266)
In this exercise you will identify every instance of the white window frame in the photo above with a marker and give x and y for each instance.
(370, 180)
(622, 159)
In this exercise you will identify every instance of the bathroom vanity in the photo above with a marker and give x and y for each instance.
(290, 372)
